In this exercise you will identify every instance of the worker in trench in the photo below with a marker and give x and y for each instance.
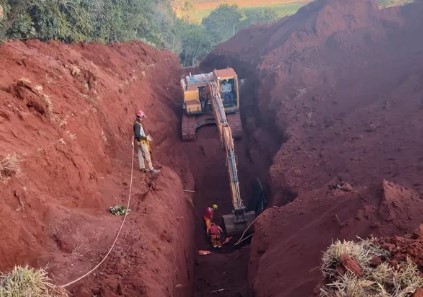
(208, 216)
(213, 230)
(143, 142)
(215, 234)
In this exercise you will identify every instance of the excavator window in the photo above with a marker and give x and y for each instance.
(228, 92)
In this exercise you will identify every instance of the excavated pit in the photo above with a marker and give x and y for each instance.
(67, 117)
(341, 80)
(312, 82)
(225, 272)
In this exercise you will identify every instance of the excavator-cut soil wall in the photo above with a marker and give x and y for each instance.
(66, 114)
(341, 81)
(332, 116)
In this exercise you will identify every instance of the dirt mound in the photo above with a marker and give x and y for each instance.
(341, 83)
(317, 218)
(65, 142)
(401, 248)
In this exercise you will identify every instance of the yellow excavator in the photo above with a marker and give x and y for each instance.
(213, 98)
(198, 109)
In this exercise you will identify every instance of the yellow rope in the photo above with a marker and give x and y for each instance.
(118, 233)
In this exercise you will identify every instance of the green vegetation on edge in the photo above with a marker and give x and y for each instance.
(152, 21)
(105, 21)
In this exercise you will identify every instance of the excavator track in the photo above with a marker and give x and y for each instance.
(190, 124)
(234, 121)
(188, 127)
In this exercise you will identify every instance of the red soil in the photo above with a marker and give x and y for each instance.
(342, 82)
(339, 84)
(402, 248)
(67, 112)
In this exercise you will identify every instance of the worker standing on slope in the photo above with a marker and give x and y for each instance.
(208, 216)
(143, 141)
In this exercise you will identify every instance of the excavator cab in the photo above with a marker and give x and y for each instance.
(197, 106)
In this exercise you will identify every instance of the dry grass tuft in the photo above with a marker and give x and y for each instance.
(9, 166)
(381, 281)
(363, 252)
(28, 282)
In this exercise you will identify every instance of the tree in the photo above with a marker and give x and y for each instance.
(184, 9)
(48, 19)
(223, 22)
(259, 16)
(2, 17)
(196, 43)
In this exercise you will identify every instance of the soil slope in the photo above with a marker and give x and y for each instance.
(66, 115)
(342, 83)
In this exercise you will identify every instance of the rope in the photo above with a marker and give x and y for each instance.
(118, 233)
(246, 229)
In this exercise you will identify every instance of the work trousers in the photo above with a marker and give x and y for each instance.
(144, 153)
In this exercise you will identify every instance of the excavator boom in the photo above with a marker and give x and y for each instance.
(237, 221)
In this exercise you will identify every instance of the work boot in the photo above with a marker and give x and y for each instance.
(155, 171)
(143, 170)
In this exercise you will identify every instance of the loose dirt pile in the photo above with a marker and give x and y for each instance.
(403, 247)
(342, 82)
(66, 117)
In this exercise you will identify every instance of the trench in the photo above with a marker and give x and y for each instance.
(225, 271)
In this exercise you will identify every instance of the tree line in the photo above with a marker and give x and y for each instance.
(106, 21)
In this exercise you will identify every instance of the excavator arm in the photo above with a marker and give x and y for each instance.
(240, 217)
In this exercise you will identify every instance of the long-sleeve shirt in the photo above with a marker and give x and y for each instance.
(139, 133)
(225, 88)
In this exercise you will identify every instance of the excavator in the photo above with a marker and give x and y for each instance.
(213, 98)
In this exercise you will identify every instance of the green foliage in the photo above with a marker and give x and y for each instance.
(2, 10)
(223, 22)
(105, 21)
(66, 20)
(196, 43)
(119, 210)
(388, 3)
(28, 282)
(91, 20)
(259, 16)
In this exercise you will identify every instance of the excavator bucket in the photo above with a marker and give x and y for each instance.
(235, 224)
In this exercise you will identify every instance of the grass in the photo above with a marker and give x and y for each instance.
(28, 282)
(381, 281)
(202, 8)
(390, 3)
(363, 252)
(282, 8)
(212, 4)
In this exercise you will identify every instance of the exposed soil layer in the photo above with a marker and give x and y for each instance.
(66, 127)
(66, 114)
(401, 248)
(341, 81)
(339, 84)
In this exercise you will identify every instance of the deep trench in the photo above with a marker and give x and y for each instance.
(225, 271)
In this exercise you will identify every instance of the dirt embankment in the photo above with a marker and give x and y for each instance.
(342, 83)
(66, 116)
